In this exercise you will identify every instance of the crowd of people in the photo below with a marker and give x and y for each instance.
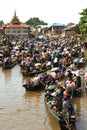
(65, 54)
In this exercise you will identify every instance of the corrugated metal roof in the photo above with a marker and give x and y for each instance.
(57, 24)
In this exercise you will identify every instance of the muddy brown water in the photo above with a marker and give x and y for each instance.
(21, 110)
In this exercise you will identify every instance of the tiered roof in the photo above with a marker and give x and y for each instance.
(15, 22)
(15, 19)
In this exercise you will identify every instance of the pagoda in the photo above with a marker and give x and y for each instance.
(15, 19)
(16, 28)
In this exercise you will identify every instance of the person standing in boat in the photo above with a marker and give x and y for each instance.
(67, 105)
(78, 78)
(70, 75)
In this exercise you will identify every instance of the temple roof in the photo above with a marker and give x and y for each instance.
(15, 19)
(15, 22)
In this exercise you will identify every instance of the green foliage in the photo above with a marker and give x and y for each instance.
(77, 30)
(83, 22)
(35, 21)
(1, 22)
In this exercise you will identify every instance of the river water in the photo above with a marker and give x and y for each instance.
(21, 110)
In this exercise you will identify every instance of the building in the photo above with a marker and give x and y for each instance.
(57, 28)
(16, 28)
(53, 30)
(69, 31)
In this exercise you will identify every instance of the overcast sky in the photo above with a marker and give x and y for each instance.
(50, 11)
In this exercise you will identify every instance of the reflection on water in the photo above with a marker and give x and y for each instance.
(21, 110)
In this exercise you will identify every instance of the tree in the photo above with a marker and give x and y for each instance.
(35, 21)
(1, 22)
(83, 22)
(77, 30)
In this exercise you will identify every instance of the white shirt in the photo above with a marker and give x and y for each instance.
(49, 63)
(78, 73)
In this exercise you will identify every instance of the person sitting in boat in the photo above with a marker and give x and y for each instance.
(70, 84)
(38, 67)
(58, 75)
(36, 80)
(60, 68)
(6, 61)
(23, 63)
(49, 95)
(72, 66)
(53, 77)
(48, 64)
(53, 54)
(76, 61)
(55, 62)
(32, 69)
(81, 60)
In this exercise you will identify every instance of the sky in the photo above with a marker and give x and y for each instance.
(50, 11)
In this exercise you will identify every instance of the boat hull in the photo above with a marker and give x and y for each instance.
(9, 66)
(31, 87)
(32, 73)
(62, 120)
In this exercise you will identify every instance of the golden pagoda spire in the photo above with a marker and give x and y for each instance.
(15, 13)
(15, 19)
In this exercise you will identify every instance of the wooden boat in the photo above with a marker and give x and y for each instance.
(8, 66)
(25, 73)
(32, 87)
(62, 120)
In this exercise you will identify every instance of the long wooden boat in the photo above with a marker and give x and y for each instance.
(63, 122)
(9, 66)
(32, 87)
(25, 73)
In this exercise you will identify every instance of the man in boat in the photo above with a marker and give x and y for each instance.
(59, 96)
(67, 106)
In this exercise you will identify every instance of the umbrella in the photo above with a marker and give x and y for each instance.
(54, 69)
(42, 75)
(51, 87)
(38, 64)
